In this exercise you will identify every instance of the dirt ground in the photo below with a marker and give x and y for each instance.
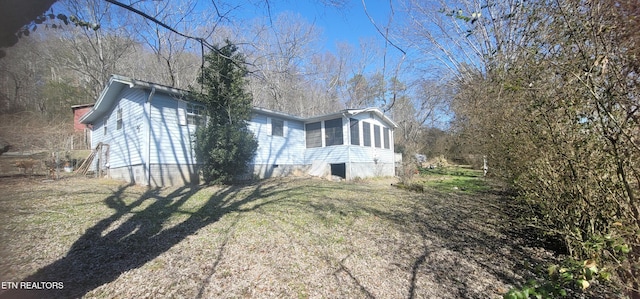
(304, 238)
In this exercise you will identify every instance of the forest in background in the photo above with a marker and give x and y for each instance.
(51, 69)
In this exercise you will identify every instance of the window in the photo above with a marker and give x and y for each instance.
(355, 131)
(387, 137)
(119, 119)
(333, 132)
(366, 133)
(194, 114)
(277, 127)
(314, 134)
(376, 135)
(106, 120)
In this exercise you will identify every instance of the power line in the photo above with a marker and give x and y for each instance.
(202, 41)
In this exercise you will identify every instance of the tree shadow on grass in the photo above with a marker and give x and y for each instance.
(467, 244)
(472, 230)
(118, 244)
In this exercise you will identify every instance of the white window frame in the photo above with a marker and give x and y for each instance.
(195, 114)
(190, 114)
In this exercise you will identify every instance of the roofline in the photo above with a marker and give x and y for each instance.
(375, 110)
(103, 98)
(81, 106)
(135, 83)
(353, 112)
(277, 113)
(340, 113)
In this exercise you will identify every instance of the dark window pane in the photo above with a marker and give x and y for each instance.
(277, 127)
(387, 137)
(333, 132)
(119, 119)
(314, 135)
(366, 133)
(355, 132)
(376, 135)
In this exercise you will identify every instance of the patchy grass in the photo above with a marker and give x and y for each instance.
(300, 238)
(454, 178)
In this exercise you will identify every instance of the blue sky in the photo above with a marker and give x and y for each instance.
(347, 24)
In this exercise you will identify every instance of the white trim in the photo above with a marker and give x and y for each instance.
(269, 126)
(284, 128)
(182, 113)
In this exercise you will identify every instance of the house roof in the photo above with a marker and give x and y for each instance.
(277, 113)
(75, 107)
(109, 95)
(345, 112)
(353, 112)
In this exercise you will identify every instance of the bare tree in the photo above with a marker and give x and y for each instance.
(278, 52)
(175, 63)
(415, 115)
(94, 54)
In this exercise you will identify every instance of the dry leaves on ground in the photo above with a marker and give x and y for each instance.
(302, 238)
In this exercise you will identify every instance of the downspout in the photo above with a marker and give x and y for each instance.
(148, 158)
(348, 147)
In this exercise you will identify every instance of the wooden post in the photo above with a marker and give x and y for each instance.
(99, 160)
(485, 168)
(57, 166)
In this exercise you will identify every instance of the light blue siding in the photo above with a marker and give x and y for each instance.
(278, 150)
(370, 154)
(125, 144)
(329, 154)
(354, 153)
(170, 141)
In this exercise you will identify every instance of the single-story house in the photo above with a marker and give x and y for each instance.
(145, 131)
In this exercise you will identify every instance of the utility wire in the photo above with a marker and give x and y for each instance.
(202, 41)
(127, 7)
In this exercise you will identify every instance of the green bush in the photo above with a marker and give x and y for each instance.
(224, 145)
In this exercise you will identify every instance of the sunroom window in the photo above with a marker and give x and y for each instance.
(366, 133)
(314, 134)
(333, 132)
(355, 131)
(376, 135)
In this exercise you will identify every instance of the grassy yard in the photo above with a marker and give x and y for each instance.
(293, 238)
(454, 178)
